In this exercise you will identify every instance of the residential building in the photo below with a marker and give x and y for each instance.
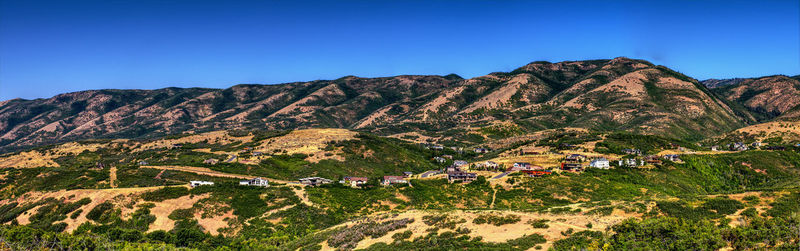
(354, 181)
(460, 163)
(738, 146)
(575, 158)
(314, 181)
(196, 183)
(439, 159)
(461, 176)
(652, 159)
(601, 163)
(631, 162)
(210, 161)
(259, 182)
(390, 180)
(632, 151)
(672, 157)
(143, 163)
(480, 150)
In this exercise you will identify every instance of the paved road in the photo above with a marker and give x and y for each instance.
(233, 157)
(428, 173)
(501, 175)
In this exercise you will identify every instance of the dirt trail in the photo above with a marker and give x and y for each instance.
(209, 172)
(494, 196)
(113, 176)
(301, 193)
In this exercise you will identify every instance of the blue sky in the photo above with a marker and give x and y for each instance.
(51, 47)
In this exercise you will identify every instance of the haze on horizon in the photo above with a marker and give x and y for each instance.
(52, 47)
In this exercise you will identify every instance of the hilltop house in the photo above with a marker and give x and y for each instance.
(354, 181)
(437, 147)
(259, 182)
(460, 163)
(390, 180)
(480, 150)
(143, 163)
(672, 157)
(196, 183)
(210, 161)
(523, 166)
(652, 159)
(601, 163)
(756, 144)
(536, 173)
(715, 148)
(575, 158)
(461, 176)
(738, 146)
(631, 162)
(489, 165)
(439, 159)
(632, 151)
(314, 181)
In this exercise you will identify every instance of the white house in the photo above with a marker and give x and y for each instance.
(601, 163)
(259, 182)
(196, 183)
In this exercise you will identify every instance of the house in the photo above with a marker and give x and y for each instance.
(176, 146)
(536, 173)
(672, 157)
(259, 182)
(652, 159)
(632, 151)
(196, 183)
(314, 181)
(452, 168)
(601, 163)
(143, 163)
(715, 148)
(439, 159)
(459, 150)
(738, 146)
(756, 144)
(490, 165)
(480, 150)
(354, 181)
(390, 180)
(631, 162)
(523, 166)
(460, 163)
(99, 165)
(210, 161)
(437, 147)
(569, 166)
(461, 176)
(775, 148)
(575, 158)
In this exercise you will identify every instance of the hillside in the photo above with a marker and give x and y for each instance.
(765, 98)
(128, 194)
(609, 95)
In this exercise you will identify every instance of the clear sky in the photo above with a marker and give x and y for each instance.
(51, 47)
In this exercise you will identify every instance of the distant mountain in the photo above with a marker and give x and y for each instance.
(606, 95)
(763, 98)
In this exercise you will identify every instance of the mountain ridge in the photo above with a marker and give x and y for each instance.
(604, 94)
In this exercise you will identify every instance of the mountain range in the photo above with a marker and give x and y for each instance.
(620, 94)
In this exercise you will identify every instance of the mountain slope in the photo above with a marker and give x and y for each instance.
(764, 98)
(618, 94)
